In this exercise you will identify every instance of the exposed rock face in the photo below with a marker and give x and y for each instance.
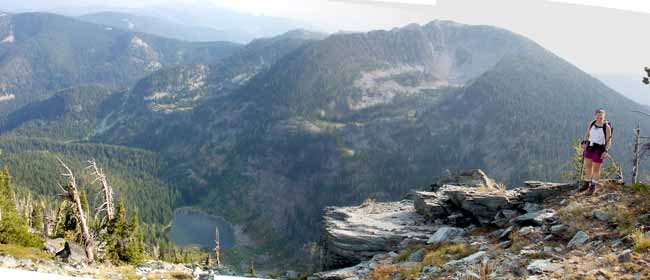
(355, 234)
(485, 205)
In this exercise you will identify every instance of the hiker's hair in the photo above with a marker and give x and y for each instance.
(601, 110)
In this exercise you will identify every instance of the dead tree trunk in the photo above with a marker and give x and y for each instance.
(46, 220)
(46, 226)
(107, 190)
(217, 247)
(71, 193)
(635, 159)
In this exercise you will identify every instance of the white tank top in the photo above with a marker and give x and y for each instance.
(597, 135)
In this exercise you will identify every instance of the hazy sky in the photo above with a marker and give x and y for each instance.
(594, 38)
(288, 7)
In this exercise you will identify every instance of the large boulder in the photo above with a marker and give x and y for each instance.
(445, 234)
(535, 218)
(579, 239)
(482, 204)
(430, 204)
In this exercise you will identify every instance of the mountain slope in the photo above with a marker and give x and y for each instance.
(70, 114)
(43, 53)
(163, 101)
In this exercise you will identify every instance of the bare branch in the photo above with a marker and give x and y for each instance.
(107, 190)
(72, 195)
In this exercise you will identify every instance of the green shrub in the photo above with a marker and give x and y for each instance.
(13, 227)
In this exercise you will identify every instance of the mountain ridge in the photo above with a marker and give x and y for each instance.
(69, 52)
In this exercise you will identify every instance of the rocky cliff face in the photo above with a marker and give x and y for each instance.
(355, 234)
(478, 230)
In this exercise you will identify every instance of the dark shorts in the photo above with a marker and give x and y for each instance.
(594, 153)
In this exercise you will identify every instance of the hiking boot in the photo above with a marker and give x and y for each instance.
(592, 188)
(583, 186)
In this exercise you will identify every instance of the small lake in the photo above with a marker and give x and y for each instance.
(195, 228)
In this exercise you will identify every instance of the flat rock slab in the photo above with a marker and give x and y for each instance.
(354, 234)
(445, 234)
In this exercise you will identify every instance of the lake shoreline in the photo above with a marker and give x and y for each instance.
(194, 227)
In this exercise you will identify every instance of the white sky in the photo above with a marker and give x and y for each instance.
(290, 8)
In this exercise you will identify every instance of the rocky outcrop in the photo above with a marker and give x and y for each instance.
(539, 232)
(482, 205)
(354, 234)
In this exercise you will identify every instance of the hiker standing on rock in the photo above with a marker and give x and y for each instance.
(596, 146)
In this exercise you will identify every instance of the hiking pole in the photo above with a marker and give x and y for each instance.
(582, 163)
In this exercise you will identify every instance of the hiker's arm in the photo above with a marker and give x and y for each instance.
(608, 141)
(587, 134)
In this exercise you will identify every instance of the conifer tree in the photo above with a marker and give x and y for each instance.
(124, 241)
(37, 217)
(134, 251)
(251, 269)
(14, 228)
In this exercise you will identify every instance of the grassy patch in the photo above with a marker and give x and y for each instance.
(126, 272)
(24, 252)
(404, 255)
(170, 275)
(641, 242)
(483, 270)
(411, 272)
(624, 216)
(384, 272)
(575, 213)
(443, 253)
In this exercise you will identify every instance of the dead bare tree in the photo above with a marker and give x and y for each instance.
(106, 191)
(71, 193)
(635, 158)
(217, 247)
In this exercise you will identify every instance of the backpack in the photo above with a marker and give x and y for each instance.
(607, 123)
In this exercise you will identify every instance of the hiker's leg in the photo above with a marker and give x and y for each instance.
(595, 174)
(588, 166)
